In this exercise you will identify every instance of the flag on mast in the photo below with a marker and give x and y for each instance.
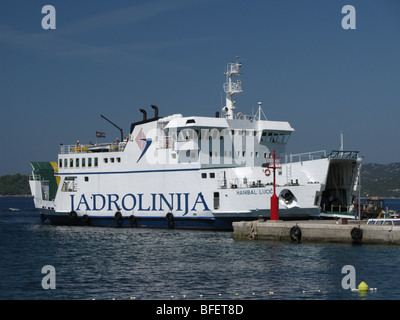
(100, 135)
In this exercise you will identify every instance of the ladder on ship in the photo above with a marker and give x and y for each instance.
(288, 172)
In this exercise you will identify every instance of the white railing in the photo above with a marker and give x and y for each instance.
(383, 222)
(102, 147)
(289, 158)
(239, 183)
(233, 87)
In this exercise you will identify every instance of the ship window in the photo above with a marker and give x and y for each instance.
(105, 160)
(65, 163)
(83, 162)
(69, 185)
(71, 163)
(256, 154)
(212, 175)
(86, 179)
(112, 160)
(77, 162)
(204, 175)
(216, 200)
(89, 162)
(96, 162)
(286, 137)
(263, 135)
(118, 159)
(60, 163)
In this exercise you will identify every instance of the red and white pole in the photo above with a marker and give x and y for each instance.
(274, 198)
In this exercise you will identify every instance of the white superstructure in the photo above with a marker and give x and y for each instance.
(193, 172)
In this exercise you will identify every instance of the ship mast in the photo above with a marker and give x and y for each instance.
(232, 86)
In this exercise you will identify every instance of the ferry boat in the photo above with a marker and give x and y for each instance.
(193, 172)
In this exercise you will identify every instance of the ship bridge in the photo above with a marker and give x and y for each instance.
(223, 141)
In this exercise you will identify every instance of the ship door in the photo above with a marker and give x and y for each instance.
(216, 200)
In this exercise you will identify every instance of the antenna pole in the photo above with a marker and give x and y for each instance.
(341, 140)
(231, 88)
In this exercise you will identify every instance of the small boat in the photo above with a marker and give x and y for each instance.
(384, 222)
(13, 209)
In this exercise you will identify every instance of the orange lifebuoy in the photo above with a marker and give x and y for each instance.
(267, 172)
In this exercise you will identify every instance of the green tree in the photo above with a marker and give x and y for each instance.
(15, 184)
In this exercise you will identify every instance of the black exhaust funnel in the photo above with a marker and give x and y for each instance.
(144, 114)
(155, 111)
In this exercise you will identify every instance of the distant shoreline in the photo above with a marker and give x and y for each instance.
(16, 196)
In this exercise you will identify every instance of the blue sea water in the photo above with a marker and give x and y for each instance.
(155, 264)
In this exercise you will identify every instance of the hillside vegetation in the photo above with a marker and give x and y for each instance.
(381, 180)
(15, 184)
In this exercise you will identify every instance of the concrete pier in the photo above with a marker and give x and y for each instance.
(333, 231)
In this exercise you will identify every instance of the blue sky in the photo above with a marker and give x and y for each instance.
(114, 57)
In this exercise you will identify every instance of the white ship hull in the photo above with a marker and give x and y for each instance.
(144, 198)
